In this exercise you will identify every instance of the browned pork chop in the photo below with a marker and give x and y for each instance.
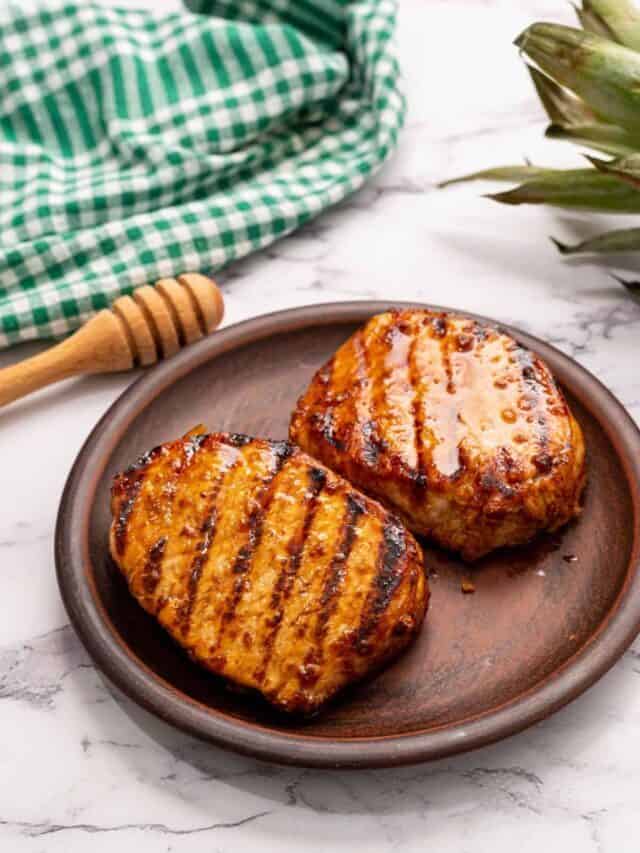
(265, 566)
(450, 422)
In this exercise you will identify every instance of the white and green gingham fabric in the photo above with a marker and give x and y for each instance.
(136, 145)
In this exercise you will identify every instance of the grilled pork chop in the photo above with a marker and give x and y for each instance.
(265, 566)
(451, 423)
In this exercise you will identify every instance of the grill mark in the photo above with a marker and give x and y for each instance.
(327, 421)
(193, 445)
(133, 478)
(493, 480)
(284, 583)
(238, 439)
(132, 490)
(467, 338)
(335, 576)
(129, 484)
(542, 411)
(152, 569)
(418, 419)
(480, 332)
(541, 459)
(319, 404)
(445, 349)
(243, 562)
(440, 328)
(439, 325)
(326, 424)
(392, 548)
(208, 530)
(144, 460)
(372, 445)
(399, 414)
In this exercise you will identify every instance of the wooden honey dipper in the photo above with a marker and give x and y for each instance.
(152, 323)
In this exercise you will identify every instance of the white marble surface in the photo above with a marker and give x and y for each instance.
(79, 771)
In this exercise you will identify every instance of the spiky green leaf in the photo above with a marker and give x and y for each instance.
(560, 104)
(624, 168)
(593, 23)
(622, 240)
(618, 20)
(606, 138)
(602, 73)
(576, 189)
(632, 285)
(502, 173)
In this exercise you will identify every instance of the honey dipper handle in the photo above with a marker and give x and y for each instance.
(100, 346)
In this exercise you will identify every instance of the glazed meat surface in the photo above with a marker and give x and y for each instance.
(451, 423)
(265, 566)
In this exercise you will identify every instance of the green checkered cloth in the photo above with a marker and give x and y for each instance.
(136, 145)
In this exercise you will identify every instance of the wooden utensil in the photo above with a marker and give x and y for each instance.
(152, 323)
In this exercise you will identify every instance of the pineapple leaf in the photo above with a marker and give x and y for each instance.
(618, 20)
(562, 107)
(631, 285)
(606, 138)
(592, 22)
(573, 120)
(501, 173)
(575, 189)
(625, 168)
(605, 75)
(623, 240)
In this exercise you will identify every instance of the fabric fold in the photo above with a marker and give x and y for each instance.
(136, 145)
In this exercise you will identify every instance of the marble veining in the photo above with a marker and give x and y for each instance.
(83, 769)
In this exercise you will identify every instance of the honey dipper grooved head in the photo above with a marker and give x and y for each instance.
(159, 320)
(152, 323)
(206, 296)
(182, 309)
(143, 347)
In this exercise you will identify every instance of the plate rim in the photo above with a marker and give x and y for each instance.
(129, 674)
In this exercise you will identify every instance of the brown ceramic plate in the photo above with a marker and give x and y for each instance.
(545, 621)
